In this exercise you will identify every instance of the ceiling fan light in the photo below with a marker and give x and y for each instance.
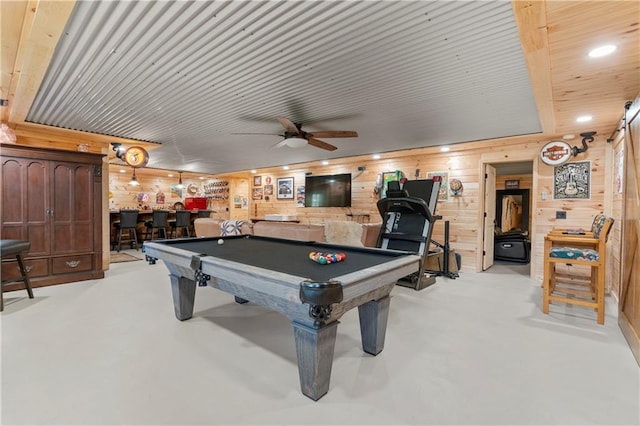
(296, 142)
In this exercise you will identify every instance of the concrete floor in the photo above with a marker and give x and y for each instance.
(474, 350)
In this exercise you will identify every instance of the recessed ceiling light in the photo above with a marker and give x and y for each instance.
(444, 149)
(123, 171)
(568, 137)
(170, 175)
(601, 51)
(584, 118)
(285, 167)
(254, 171)
(325, 163)
(376, 156)
(201, 178)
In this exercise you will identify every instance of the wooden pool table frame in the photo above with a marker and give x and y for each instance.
(295, 297)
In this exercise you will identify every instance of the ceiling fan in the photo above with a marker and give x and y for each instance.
(295, 137)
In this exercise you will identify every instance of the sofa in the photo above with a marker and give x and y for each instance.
(338, 232)
(212, 227)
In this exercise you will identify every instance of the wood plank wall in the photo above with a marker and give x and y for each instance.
(464, 212)
(462, 162)
(153, 184)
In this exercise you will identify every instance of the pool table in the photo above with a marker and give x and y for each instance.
(278, 274)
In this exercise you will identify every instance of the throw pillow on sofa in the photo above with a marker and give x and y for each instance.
(231, 227)
(343, 232)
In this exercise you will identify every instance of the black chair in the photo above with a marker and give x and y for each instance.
(182, 222)
(128, 223)
(159, 221)
(201, 213)
(15, 248)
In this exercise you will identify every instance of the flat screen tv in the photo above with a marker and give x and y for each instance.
(328, 191)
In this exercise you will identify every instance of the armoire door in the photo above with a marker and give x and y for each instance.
(72, 208)
(25, 203)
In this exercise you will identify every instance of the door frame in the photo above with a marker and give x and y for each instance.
(498, 157)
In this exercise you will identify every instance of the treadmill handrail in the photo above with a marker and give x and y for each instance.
(412, 204)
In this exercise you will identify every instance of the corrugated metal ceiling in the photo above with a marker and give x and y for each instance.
(189, 75)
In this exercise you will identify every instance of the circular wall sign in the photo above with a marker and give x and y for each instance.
(555, 153)
(136, 156)
(455, 186)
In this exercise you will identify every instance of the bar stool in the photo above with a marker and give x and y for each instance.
(159, 222)
(128, 222)
(571, 288)
(11, 248)
(182, 222)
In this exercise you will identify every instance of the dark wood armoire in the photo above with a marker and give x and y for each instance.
(53, 199)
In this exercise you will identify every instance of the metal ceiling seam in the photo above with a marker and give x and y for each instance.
(374, 70)
(170, 82)
(87, 62)
(109, 83)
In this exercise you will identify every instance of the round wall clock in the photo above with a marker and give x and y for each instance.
(136, 156)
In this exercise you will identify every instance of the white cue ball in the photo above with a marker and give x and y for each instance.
(220, 241)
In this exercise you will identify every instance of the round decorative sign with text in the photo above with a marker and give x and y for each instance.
(555, 153)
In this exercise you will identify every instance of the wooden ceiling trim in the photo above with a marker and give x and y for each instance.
(69, 137)
(532, 27)
(36, 48)
(16, 23)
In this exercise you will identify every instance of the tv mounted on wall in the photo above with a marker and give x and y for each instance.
(328, 191)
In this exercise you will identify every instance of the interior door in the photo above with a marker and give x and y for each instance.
(489, 215)
(629, 306)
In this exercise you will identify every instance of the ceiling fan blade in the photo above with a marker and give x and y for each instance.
(334, 134)
(321, 144)
(280, 144)
(288, 125)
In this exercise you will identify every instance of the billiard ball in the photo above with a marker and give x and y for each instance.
(220, 241)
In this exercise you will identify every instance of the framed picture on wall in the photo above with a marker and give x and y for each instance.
(443, 195)
(572, 181)
(258, 193)
(257, 181)
(175, 191)
(388, 177)
(300, 196)
(284, 188)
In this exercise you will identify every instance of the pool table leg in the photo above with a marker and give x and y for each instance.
(314, 347)
(373, 324)
(184, 294)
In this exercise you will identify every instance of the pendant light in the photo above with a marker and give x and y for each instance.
(134, 179)
(180, 185)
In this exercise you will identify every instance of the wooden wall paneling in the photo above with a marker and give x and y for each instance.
(462, 162)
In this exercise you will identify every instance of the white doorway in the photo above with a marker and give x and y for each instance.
(495, 174)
